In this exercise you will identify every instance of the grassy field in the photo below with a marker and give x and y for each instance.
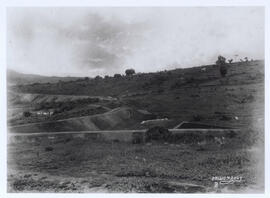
(79, 164)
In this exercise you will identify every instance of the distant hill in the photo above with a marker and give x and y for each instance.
(16, 78)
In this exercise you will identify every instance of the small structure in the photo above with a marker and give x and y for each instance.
(162, 122)
(195, 125)
(154, 120)
(44, 113)
(203, 69)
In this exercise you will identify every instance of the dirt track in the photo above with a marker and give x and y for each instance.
(115, 118)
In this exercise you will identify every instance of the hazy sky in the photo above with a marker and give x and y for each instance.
(100, 41)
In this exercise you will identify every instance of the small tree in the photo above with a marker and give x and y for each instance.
(246, 59)
(117, 76)
(26, 114)
(221, 62)
(98, 77)
(230, 61)
(130, 72)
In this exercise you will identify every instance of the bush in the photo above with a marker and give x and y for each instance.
(130, 72)
(221, 62)
(223, 71)
(48, 148)
(137, 138)
(157, 133)
(117, 76)
(98, 78)
(27, 114)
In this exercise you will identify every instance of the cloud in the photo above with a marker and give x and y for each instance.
(103, 44)
(101, 41)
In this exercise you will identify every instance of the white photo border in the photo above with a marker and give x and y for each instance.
(4, 4)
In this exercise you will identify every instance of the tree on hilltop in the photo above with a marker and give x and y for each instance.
(130, 72)
(221, 62)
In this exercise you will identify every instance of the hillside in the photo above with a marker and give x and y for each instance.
(16, 78)
(193, 158)
(249, 72)
(194, 94)
(119, 118)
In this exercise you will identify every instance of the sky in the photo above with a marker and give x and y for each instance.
(91, 41)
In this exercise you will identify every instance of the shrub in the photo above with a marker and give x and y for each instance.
(117, 76)
(157, 133)
(48, 148)
(27, 114)
(137, 138)
(223, 71)
(221, 62)
(130, 72)
(98, 77)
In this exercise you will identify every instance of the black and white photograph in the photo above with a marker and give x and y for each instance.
(135, 99)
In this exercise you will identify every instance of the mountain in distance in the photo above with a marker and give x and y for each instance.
(17, 78)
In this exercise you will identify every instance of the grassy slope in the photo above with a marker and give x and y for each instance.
(118, 118)
(181, 94)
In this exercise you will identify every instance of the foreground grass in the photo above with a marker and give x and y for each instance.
(81, 165)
